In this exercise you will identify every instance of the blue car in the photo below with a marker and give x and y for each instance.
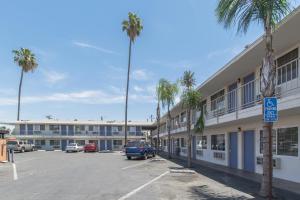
(139, 149)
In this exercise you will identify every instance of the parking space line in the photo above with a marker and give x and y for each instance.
(15, 171)
(143, 186)
(132, 166)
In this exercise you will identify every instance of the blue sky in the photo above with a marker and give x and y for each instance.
(82, 54)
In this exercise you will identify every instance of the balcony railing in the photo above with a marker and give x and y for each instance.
(249, 95)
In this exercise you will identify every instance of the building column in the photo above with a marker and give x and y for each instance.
(240, 149)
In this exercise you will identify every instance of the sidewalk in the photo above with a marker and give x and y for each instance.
(283, 188)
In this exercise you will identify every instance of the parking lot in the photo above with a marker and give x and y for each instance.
(58, 175)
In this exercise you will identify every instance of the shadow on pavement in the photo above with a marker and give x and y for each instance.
(247, 186)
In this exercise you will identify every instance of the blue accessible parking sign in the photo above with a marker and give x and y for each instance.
(270, 109)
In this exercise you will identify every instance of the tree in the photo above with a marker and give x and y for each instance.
(168, 93)
(267, 13)
(133, 27)
(191, 100)
(27, 61)
(158, 96)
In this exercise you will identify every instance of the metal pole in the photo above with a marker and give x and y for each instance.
(270, 161)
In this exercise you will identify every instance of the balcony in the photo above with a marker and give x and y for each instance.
(245, 101)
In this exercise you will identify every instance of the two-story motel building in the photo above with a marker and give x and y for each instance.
(233, 109)
(56, 134)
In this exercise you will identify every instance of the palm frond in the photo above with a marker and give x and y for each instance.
(241, 13)
(133, 26)
(25, 59)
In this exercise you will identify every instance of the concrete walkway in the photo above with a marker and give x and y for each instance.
(284, 189)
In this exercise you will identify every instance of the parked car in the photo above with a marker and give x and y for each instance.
(20, 146)
(139, 149)
(91, 147)
(74, 147)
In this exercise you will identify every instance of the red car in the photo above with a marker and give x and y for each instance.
(91, 147)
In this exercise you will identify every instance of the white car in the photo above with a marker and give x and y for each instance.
(73, 147)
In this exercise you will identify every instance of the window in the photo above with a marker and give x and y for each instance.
(117, 142)
(165, 143)
(202, 142)
(80, 142)
(36, 127)
(119, 128)
(183, 117)
(39, 142)
(262, 141)
(54, 142)
(131, 128)
(54, 127)
(287, 143)
(287, 67)
(42, 127)
(182, 142)
(217, 100)
(91, 128)
(218, 142)
(82, 127)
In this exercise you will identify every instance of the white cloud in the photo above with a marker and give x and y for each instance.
(138, 88)
(101, 49)
(83, 97)
(53, 77)
(141, 74)
(7, 91)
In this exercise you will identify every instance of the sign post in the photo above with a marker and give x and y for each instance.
(270, 109)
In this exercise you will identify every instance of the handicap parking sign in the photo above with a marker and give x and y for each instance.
(270, 109)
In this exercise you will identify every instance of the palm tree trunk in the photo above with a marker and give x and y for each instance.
(268, 90)
(127, 87)
(188, 126)
(169, 132)
(19, 94)
(158, 125)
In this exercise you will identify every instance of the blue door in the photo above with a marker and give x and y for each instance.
(194, 147)
(102, 145)
(249, 157)
(63, 144)
(233, 150)
(109, 144)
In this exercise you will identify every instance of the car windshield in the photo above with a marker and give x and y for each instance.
(12, 142)
(133, 144)
(72, 144)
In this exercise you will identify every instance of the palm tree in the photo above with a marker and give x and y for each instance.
(267, 13)
(133, 27)
(168, 94)
(158, 96)
(27, 61)
(191, 100)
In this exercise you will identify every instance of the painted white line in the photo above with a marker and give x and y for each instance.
(141, 187)
(132, 166)
(15, 171)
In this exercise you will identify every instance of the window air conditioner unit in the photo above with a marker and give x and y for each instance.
(278, 91)
(276, 162)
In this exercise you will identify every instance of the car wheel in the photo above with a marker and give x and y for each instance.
(129, 157)
(145, 156)
(153, 155)
(22, 150)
